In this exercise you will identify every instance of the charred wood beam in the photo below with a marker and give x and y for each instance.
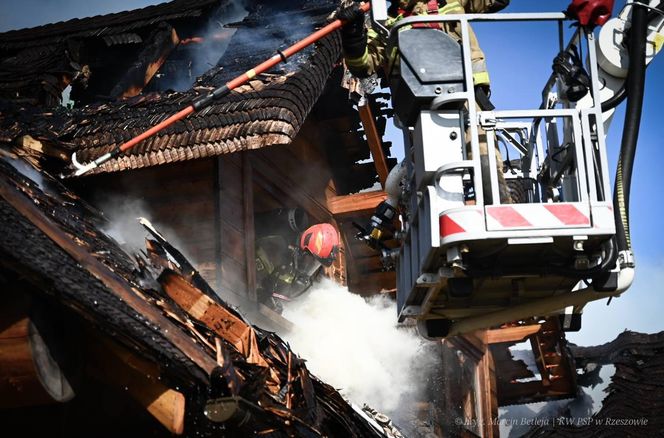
(155, 52)
(112, 281)
(225, 324)
(375, 143)
(623, 348)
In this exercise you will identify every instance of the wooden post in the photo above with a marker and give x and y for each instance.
(249, 234)
(375, 143)
(216, 192)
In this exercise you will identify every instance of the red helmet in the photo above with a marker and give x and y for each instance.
(321, 241)
(591, 12)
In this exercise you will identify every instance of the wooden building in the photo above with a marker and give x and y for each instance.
(290, 138)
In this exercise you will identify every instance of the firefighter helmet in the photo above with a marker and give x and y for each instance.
(591, 12)
(321, 241)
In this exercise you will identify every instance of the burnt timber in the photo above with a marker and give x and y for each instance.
(635, 396)
(290, 138)
(300, 107)
(52, 247)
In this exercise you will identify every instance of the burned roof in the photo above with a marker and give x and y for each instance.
(635, 397)
(268, 111)
(42, 57)
(103, 25)
(162, 310)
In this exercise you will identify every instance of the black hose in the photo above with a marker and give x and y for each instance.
(635, 86)
(620, 96)
(614, 100)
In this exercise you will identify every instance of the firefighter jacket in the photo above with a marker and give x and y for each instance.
(277, 269)
(375, 56)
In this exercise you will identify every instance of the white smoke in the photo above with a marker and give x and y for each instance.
(26, 169)
(123, 226)
(356, 346)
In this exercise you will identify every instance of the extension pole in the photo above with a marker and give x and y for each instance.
(204, 101)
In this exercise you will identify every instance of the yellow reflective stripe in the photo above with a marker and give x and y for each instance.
(451, 8)
(481, 78)
(659, 42)
(390, 21)
(251, 73)
(362, 61)
(372, 34)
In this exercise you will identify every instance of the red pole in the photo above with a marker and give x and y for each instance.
(225, 89)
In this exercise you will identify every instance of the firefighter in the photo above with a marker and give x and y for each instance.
(287, 259)
(365, 52)
(365, 55)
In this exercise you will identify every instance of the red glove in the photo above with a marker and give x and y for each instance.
(590, 12)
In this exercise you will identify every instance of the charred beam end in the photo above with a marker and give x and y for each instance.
(155, 52)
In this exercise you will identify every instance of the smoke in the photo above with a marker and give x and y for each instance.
(214, 39)
(123, 226)
(355, 345)
(123, 213)
(26, 170)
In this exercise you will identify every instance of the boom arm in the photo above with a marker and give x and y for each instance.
(613, 55)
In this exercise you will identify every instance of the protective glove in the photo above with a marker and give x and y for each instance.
(497, 5)
(482, 95)
(353, 33)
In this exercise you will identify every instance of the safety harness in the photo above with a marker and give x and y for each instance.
(432, 9)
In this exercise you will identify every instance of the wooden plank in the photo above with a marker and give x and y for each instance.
(375, 143)
(218, 319)
(511, 334)
(356, 204)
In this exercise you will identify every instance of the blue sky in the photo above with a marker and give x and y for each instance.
(517, 80)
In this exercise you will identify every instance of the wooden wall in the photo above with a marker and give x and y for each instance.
(199, 205)
(297, 175)
(206, 206)
(467, 404)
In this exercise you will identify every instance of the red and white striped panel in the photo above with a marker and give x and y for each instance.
(603, 217)
(537, 216)
(466, 220)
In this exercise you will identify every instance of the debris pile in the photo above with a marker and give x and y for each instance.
(236, 378)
